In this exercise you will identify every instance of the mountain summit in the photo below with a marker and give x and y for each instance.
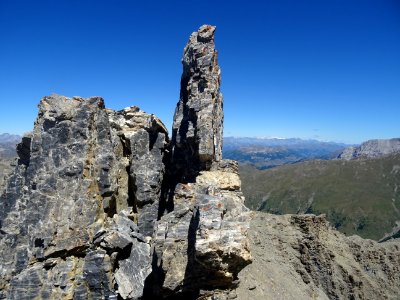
(372, 149)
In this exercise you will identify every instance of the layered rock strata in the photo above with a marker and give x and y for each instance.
(98, 206)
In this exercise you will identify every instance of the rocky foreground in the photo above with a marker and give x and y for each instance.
(103, 205)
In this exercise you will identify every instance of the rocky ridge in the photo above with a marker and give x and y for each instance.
(101, 205)
(371, 149)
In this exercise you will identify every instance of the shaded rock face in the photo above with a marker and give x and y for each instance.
(371, 149)
(98, 206)
(197, 127)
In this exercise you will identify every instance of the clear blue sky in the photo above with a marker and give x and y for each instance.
(312, 69)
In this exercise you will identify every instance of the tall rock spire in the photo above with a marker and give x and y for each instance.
(198, 119)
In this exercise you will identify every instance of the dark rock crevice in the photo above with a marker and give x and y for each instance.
(24, 151)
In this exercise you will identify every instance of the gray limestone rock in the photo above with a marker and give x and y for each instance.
(201, 245)
(198, 120)
(371, 149)
(142, 140)
(54, 218)
(203, 242)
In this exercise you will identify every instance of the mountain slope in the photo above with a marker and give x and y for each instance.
(359, 196)
(372, 149)
(298, 257)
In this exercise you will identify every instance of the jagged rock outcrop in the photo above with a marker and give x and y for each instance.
(302, 257)
(372, 149)
(66, 213)
(202, 244)
(99, 205)
(197, 127)
(140, 141)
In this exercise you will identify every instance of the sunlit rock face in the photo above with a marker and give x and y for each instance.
(99, 205)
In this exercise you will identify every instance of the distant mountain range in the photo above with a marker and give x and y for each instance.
(7, 145)
(9, 138)
(265, 153)
(372, 149)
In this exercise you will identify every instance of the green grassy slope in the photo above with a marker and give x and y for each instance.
(359, 197)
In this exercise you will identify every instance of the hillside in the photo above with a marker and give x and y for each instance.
(265, 153)
(298, 257)
(358, 196)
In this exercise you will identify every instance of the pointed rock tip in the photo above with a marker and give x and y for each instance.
(206, 32)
